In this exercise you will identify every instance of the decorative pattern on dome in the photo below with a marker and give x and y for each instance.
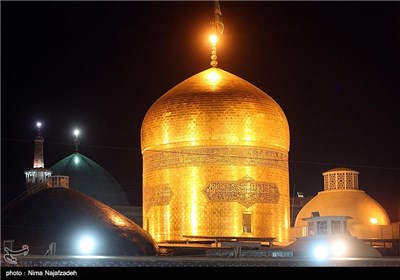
(340, 179)
(223, 155)
(212, 106)
(158, 195)
(246, 191)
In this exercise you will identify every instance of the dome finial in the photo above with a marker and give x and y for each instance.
(217, 30)
(76, 133)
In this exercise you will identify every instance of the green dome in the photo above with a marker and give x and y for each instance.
(88, 177)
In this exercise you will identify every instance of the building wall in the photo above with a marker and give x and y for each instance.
(205, 195)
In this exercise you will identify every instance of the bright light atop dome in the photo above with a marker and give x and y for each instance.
(213, 39)
(213, 77)
(76, 132)
(39, 124)
(373, 220)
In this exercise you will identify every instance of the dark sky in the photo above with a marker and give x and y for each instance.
(333, 67)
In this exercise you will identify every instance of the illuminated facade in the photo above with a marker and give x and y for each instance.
(341, 197)
(328, 237)
(215, 161)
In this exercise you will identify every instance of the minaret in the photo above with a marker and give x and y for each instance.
(38, 161)
(36, 178)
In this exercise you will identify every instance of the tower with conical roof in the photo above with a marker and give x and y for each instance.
(215, 159)
(36, 178)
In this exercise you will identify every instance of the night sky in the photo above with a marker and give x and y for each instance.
(334, 68)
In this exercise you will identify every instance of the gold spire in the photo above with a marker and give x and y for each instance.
(219, 26)
(213, 39)
(217, 30)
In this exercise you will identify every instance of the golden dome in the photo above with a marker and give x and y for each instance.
(215, 161)
(215, 107)
(353, 203)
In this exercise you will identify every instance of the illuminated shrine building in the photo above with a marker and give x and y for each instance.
(215, 161)
(341, 197)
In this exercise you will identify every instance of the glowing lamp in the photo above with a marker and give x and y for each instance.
(213, 77)
(373, 220)
(213, 39)
(86, 245)
(38, 124)
(320, 252)
(76, 132)
(76, 160)
(339, 248)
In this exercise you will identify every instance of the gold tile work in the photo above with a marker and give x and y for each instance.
(190, 212)
(246, 191)
(160, 195)
(233, 155)
(226, 111)
(213, 150)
